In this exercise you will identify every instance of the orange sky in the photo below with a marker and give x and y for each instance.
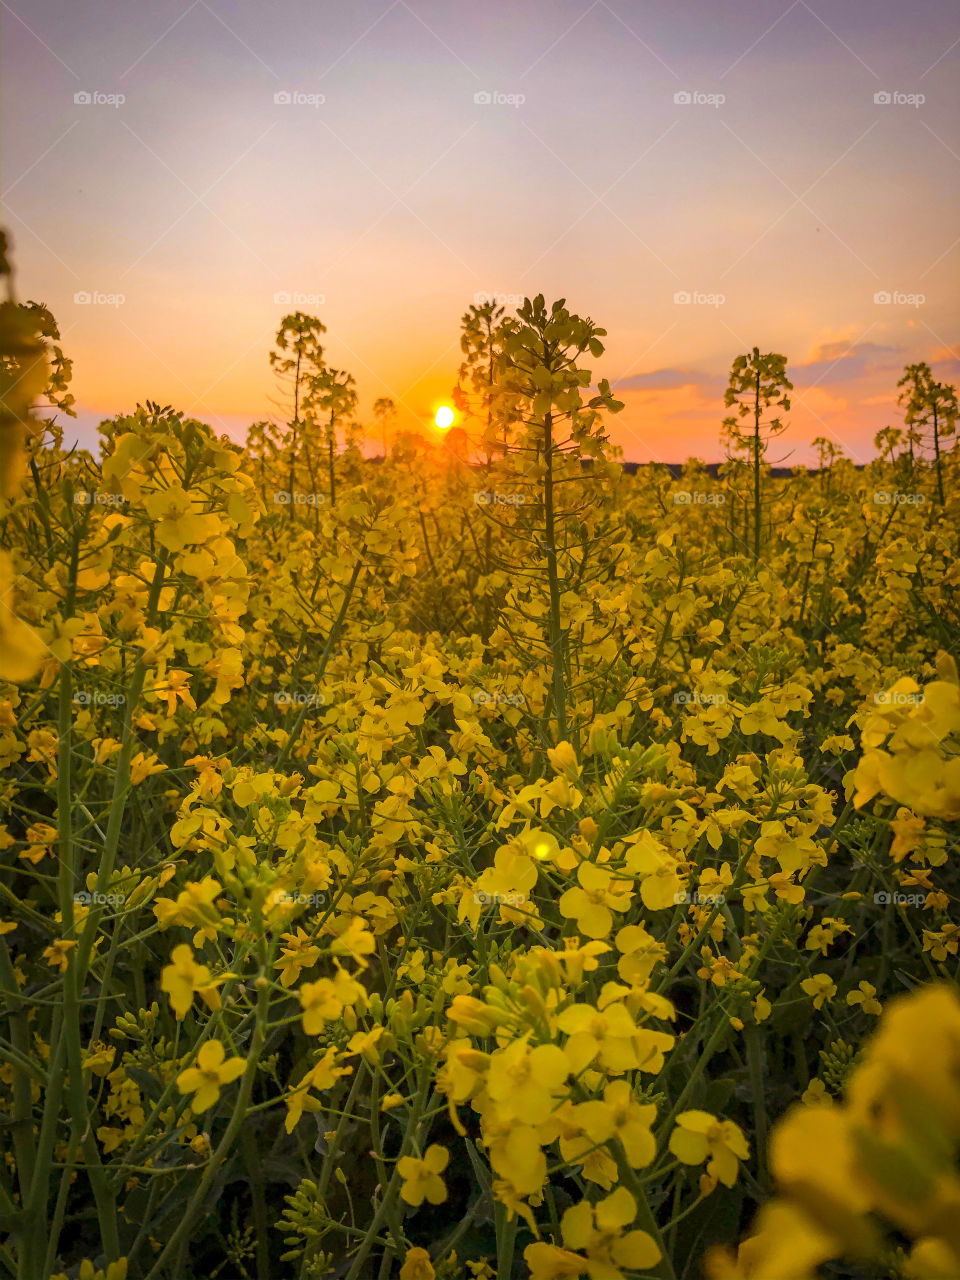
(783, 210)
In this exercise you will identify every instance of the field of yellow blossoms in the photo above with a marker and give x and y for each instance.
(475, 863)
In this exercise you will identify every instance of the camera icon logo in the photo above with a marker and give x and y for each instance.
(82, 298)
(883, 98)
(682, 298)
(682, 498)
(282, 98)
(683, 98)
(282, 298)
(882, 298)
(282, 498)
(483, 98)
(882, 899)
(82, 99)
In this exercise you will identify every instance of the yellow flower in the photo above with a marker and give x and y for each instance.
(174, 684)
(821, 987)
(421, 1178)
(813, 1156)
(620, 1116)
(597, 1230)
(550, 1262)
(865, 997)
(517, 1157)
(194, 906)
(116, 1270)
(99, 1057)
(785, 1245)
(815, 1094)
(353, 939)
(657, 869)
(417, 1266)
(200, 1145)
(473, 1015)
(367, 1043)
(57, 955)
(822, 936)
(700, 1136)
(612, 1039)
(211, 1073)
(178, 522)
(325, 1000)
(563, 759)
(300, 953)
(323, 1075)
(183, 976)
(522, 1083)
(592, 903)
(143, 765)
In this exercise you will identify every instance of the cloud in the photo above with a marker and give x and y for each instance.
(838, 359)
(668, 380)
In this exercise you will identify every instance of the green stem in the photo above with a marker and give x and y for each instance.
(645, 1219)
(755, 1057)
(237, 1120)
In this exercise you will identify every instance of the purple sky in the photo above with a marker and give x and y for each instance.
(782, 197)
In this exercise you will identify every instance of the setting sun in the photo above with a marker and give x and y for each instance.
(444, 417)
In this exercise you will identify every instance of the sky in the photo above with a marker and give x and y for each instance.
(697, 178)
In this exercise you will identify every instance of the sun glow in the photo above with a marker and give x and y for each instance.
(444, 417)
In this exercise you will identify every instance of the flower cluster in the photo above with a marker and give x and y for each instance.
(315, 962)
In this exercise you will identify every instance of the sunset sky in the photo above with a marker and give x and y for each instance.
(782, 197)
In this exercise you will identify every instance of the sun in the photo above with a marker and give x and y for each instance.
(444, 417)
